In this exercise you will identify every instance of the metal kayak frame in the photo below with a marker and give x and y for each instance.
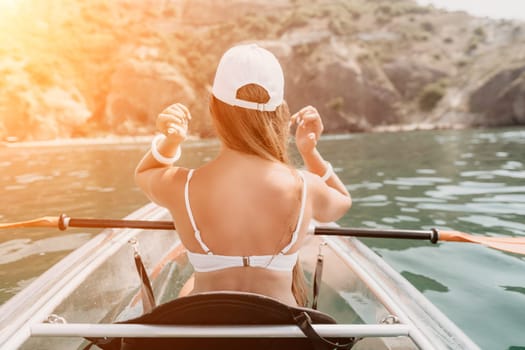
(148, 331)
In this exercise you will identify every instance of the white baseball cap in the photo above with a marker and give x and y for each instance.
(249, 64)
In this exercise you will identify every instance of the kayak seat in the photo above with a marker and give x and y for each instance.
(229, 308)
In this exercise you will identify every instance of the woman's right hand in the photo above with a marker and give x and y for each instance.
(309, 129)
(173, 122)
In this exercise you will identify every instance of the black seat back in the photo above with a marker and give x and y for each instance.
(232, 308)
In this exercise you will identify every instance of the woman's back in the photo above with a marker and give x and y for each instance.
(242, 205)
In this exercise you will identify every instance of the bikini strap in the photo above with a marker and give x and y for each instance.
(295, 234)
(190, 214)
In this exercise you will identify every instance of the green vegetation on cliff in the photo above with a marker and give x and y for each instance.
(92, 68)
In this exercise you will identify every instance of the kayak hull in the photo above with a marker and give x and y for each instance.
(98, 284)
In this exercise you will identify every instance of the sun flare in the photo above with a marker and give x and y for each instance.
(8, 4)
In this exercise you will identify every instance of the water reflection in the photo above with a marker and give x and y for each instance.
(424, 283)
(492, 174)
(512, 226)
(400, 219)
(372, 201)
(514, 289)
(365, 185)
(416, 181)
(30, 178)
(18, 249)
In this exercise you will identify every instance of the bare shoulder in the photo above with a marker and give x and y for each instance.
(285, 177)
(167, 177)
(313, 181)
(174, 179)
(328, 203)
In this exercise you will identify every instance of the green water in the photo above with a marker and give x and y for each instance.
(472, 181)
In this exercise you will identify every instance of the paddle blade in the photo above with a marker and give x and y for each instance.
(508, 247)
(46, 221)
(509, 244)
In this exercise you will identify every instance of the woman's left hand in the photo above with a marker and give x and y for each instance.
(173, 122)
(309, 129)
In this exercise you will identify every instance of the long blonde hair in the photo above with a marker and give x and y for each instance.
(264, 134)
(261, 133)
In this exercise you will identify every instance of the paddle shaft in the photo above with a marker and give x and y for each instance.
(65, 222)
(509, 244)
(431, 235)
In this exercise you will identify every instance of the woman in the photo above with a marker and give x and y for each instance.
(243, 216)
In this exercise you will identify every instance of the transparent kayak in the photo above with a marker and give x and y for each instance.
(97, 285)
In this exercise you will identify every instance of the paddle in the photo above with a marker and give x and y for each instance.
(509, 244)
(63, 222)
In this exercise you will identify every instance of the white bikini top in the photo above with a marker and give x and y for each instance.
(212, 262)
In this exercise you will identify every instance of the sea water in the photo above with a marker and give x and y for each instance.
(471, 180)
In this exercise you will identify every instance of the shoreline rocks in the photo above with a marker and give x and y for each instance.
(366, 66)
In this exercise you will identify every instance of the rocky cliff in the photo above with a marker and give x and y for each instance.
(91, 68)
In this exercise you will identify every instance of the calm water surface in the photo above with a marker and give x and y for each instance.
(472, 181)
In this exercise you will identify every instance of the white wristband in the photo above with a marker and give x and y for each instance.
(159, 157)
(329, 172)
